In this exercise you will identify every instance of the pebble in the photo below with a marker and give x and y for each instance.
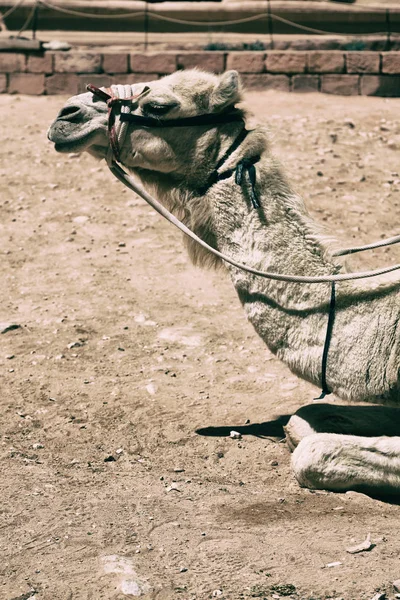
(74, 345)
(235, 435)
(396, 585)
(362, 547)
(6, 327)
(333, 564)
(182, 570)
(119, 451)
(217, 593)
(173, 488)
(37, 446)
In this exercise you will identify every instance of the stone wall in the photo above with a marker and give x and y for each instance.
(331, 72)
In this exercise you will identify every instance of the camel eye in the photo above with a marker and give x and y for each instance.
(156, 109)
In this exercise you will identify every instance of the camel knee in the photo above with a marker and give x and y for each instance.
(344, 462)
(296, 429)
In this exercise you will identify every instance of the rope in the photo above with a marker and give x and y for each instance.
(204, 23)
(28, 20)
(11, 10)
(127, 180)
(380, 244)
(123, 92)
(78, 13)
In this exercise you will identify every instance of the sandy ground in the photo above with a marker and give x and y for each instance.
(125, 351)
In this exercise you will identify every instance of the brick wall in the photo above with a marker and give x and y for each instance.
(332, 72)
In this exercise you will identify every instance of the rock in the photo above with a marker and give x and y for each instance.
(396, 585)
(235, 435)
(216, 593)
(74, 345)
(109, 458)
(37, 446)
(349, 123)
(6, 327)
(362, 547)
(56, 45)
(173, 488)
(333, 564)
(182, 570)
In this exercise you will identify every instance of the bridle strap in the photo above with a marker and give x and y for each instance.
(199, 120)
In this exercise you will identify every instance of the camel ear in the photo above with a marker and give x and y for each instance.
(227, 91)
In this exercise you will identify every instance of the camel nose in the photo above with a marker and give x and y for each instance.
(70, 113)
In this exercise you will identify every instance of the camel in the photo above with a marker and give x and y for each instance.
(258, 219)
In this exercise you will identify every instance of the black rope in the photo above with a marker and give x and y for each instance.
(246, 168)
(325, 390)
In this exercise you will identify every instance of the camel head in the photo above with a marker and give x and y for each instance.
(82, 123)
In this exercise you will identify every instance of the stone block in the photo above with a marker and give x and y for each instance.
(12, 62)
(62, 83)
(26, 83)
(363, 62)
(325, 62)
(305, 83)
(153, 62)
(3, 84)
(343, 85)
(391, 63)
(115, 63)
(208, 61)
(132, 78)
(380, 85)
(77, 62)
(246, 62)
(265, 81)
(102, 80)
(40, 64)
(286, 62)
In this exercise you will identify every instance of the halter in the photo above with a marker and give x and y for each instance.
(121, 96)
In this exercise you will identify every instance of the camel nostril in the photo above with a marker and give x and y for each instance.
(69, 113)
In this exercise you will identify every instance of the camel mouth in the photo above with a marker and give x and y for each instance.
(65, 140)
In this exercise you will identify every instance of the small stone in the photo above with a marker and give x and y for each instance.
(333, 564)
(121, 245)
(396, 585)
(6, 327)
(109, 458)
(349, 123)
(182, 570)
(274, 463)
(119, 451)
(362, 547)
(37, 446)
(10, 356)
(217, 593)
(179, 470)
(173, 488)
(74, 345)
(235, 435)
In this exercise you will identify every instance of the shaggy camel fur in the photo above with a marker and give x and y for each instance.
(280, 236)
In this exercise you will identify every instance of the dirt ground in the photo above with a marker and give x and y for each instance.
(130, 367)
